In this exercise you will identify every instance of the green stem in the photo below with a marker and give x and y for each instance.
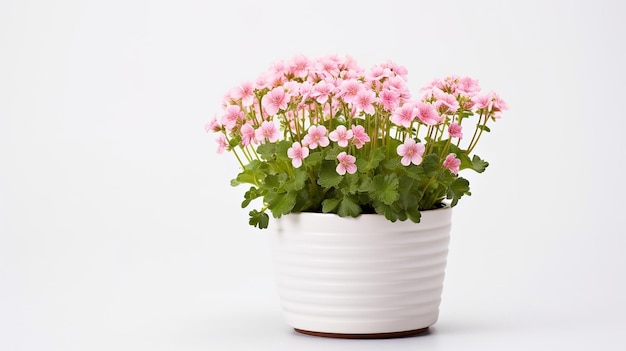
(374, 136)
(233, 150)
(330, 107)
(476, 136)
(260, 112)
(446, 148)
(475, 133)
(330, 120)
(429, 139)
(421, 200)
(246, 153)
(387, 130)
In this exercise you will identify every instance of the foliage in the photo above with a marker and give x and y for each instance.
(325, 135)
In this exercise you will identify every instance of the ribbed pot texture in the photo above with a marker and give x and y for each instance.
(360, 276)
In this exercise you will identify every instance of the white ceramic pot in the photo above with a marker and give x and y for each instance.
(362, 277)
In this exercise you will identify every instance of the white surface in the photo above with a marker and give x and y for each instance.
(119, 231)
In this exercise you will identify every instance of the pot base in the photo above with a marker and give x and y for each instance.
(392, 335)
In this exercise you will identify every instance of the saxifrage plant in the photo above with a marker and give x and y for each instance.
(325, 135)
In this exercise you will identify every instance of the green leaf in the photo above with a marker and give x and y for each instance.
(431, 165)
(400, 212)
(250, 174)
(458, 188)
(329, 205)
(483, 127)
(314, 159)
(386, 210)
(411, 193)
(259, 219)
(350, 184)
(275, 181)
(465, 114)
(365, 184)
(298, 181)
(274, 151)
(281, 204)
(267, 151)
(386, 188)
(478, 164)
(391, 164)
(304, 201)
(281, 150)
(246, 176)
(475, 163)
(234, 141)
(328, 175)
(414, 172)
(331, 153)
(414, 214)
(375, 157)
(252, 194)
(348, 207)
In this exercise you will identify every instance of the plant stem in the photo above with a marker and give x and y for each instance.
(470, 145)
(475, 142)
(446, 148)
(430, 180)
(429, 140)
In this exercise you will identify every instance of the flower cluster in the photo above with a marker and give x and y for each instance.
(326, 135)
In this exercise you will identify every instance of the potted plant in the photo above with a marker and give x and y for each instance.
(361, 176)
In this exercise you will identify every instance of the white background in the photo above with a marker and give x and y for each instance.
(119, 229)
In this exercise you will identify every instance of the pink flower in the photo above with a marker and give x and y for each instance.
(427, 114)
(212, 126)
(360, 136)
(305, 89)
(264, 80)
(490, 101)
(445, 103)
(278, 67)
(404, 115)
(401, 71)
(316, 136)
(452, 163)
(389, 99)
(341, 136)
(329, 65)
(268, 131)
(349, 89)
(364, 101)
(297, 153)
(499, 105)
(321, 91)
(221, 143)
(378, 72)
(299, 66)
(274, 100)
(247, 134)
(411, 152)
(399, 86)
(468, 86)
(232, 116)
(346, 163)
(455, 130)
(483, 101)
(292, 87)
(245, 92)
